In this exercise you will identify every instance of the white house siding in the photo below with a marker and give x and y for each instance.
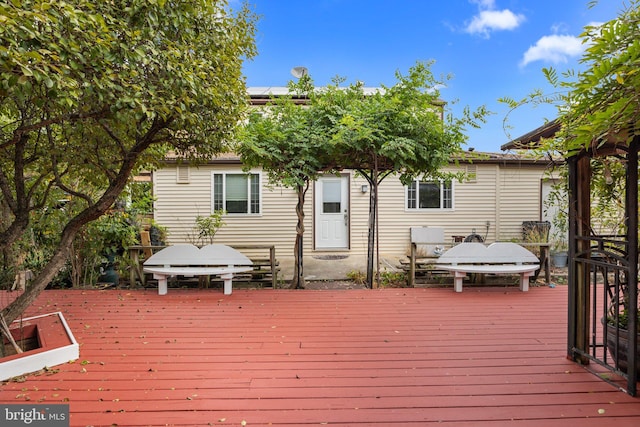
(521, 189)
(177, 206)
(502, 196)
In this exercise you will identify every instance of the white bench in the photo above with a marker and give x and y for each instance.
(497, 258)
(189, 260)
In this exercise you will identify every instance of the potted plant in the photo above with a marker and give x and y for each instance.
(206, 227)
(157, 234)
(559, 253)
(617, 332)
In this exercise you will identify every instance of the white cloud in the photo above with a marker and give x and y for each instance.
(484, 4)
(488, 19)
(554, 48)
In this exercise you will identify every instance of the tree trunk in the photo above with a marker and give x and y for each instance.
(61, 254)
(373, 200)
(7, 253)
(92, 212)
(297, 281)
(39, 284)
(373, 220)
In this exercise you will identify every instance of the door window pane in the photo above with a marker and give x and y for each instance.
(331, 196)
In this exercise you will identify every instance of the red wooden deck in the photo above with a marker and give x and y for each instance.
(483, 357)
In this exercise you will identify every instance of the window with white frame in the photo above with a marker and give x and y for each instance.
(236, 192)
(430, 195)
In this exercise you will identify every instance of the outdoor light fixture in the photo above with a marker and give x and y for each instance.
(364, 188)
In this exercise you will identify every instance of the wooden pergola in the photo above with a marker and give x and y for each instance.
(603, 269)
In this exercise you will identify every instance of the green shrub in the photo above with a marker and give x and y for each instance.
(358, 277)
(393, 279)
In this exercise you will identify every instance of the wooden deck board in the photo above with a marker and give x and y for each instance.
(485, 357)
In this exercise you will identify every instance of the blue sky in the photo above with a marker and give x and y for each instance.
(493, 48)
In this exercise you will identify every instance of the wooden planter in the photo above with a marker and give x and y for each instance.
(619, 353)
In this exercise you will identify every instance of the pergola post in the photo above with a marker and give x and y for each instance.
(631, 207)
(579, 225)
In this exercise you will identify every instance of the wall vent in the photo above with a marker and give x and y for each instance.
(182, 174)
(472, 173)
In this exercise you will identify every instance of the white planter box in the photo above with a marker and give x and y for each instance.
(60, 348)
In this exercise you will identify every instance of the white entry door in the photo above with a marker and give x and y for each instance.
(332, 212)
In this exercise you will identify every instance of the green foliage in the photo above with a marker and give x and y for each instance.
(388, 279)
(114, 232)
(207, 226)
(158, 234)
(284, 140)
(141, 197)
(601, 102)
(402, 129)
(597, 105)
(357, 276)
(393, 279)
(622, 319)
(91, 92)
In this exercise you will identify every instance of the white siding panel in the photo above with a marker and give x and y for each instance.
(500, 198)
(520, 199)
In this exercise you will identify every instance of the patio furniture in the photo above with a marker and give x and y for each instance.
(265, 264)
(427, 244)
(189, 260)
(497, 258)
(137, 255)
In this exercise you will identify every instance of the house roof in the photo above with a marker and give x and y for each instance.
(261, 95)
(470, 156)
(614, 142)
(267, 91)
(532, 139)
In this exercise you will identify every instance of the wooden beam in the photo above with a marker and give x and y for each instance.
(579, 226)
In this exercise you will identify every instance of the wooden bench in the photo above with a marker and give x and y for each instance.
(427, 243)
(189, 260)
(497, 258)
(265, 266)
(418, 264)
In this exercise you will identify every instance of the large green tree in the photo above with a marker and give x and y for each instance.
(603, 101)
(288, 142)
(402, 129)
(90, 91)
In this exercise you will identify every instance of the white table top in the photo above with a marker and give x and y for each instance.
(189, 255)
